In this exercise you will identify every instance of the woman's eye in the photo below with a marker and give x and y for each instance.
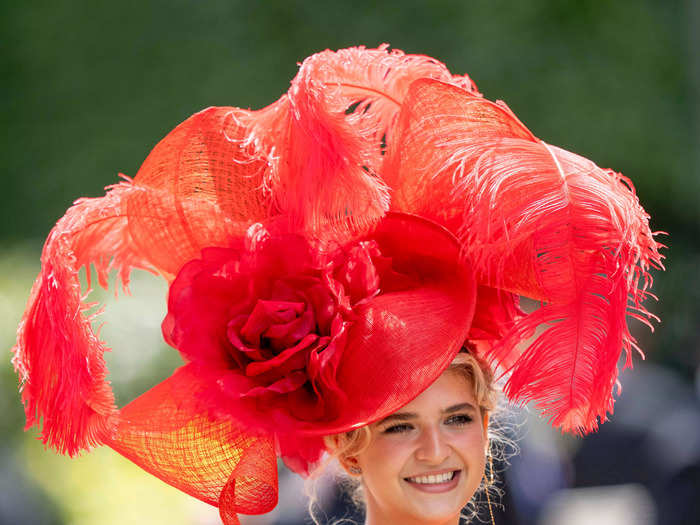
(459, 420)
(396, 429)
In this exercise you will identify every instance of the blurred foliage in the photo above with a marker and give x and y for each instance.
(93, 488)
(131, 324)
(90, 87)
(18, 267)
(103, 487)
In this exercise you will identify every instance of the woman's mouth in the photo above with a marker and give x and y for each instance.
(441, 482)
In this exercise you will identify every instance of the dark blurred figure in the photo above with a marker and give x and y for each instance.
(680, 498)
(653, 440)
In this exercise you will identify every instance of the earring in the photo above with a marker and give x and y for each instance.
(489, 482)
(355, 470)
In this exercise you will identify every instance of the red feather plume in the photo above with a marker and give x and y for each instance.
(541, 222)
(200, 186)
(58, 357)
(343, 108)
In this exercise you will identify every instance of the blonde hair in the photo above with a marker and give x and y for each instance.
(349, 444)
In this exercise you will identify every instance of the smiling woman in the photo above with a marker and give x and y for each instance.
(327, 258)
(424, 463)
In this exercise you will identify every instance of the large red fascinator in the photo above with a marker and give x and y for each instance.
(327, 257)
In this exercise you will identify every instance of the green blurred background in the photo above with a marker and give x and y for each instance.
(88, 88)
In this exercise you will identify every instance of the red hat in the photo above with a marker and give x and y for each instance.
(328, 256)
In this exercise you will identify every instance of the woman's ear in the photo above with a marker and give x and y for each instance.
(351, 465)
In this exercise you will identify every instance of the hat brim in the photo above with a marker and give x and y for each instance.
(405, 339)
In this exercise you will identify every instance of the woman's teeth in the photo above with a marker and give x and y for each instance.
(433, 479)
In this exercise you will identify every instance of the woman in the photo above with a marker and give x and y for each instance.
(328, 256)
(424, 463)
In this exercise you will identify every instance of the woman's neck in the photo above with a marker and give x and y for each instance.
(375, 516)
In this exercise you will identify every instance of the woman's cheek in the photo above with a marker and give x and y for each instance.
(390, 451)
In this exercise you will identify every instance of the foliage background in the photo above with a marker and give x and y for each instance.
(88, 88)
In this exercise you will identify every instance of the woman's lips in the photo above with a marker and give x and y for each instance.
(434, 487)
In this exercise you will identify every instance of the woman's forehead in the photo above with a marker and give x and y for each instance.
(452, 389)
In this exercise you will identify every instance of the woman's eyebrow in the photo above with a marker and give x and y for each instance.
(459, 408)
(407, 416)
(399, 416)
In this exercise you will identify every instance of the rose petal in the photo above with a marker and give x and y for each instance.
(241, 350)
(323, 365)
(323, 305)
(332, 354)
(285, 385)
(337, 291)
(283, 336)
(196, 319)
(234, 384)
(290, 287)
(285, 361)
(267, 313)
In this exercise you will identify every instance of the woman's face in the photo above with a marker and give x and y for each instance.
(425, 462)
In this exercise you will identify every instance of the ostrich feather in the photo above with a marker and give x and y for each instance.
(342, 110)
(368, 86)
(199, 186)
(539, 221)
(58, 356)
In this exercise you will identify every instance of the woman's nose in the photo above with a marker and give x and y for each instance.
(432, 447)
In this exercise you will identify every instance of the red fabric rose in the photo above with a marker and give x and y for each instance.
(266, 322)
